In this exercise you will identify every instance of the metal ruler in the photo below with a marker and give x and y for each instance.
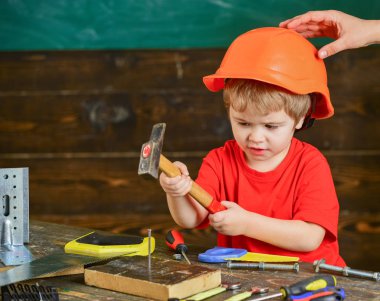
(88, 249)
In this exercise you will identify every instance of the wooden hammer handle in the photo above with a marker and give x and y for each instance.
(196, 191)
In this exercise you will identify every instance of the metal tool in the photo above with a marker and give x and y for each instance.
(14, 220)
(151, 160)
(175, 241)
(247, 294)
(149, 249)
(39, 291)
(44, 266)
(177, 256)
(325, 294)
(231, 286)
(308, 285)
(25, 292)
(345, 271)
(264, 266)
(88, 249)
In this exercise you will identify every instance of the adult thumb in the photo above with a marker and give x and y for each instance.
(331, 49)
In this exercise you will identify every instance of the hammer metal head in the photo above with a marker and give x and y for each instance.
(151, 151)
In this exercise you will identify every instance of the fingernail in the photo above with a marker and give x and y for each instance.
(323, 54)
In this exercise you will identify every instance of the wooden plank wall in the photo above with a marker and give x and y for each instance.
(78, 119)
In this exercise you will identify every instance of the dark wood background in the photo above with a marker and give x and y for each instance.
(78, 119)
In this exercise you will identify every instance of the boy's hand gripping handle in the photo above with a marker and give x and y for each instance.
(196, 191)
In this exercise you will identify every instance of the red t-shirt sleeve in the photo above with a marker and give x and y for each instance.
(316, 200)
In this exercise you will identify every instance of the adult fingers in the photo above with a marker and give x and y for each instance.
(309, 17)
(331, 49)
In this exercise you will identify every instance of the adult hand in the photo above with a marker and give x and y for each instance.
(348, 31)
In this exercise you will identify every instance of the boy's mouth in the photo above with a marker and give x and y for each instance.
(256, 150)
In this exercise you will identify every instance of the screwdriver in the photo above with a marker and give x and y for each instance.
(175, 241)
(326, 294)
(302, 287)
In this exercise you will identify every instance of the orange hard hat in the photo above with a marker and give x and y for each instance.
(280, 57)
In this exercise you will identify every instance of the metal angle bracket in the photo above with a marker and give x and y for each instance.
(14, 217)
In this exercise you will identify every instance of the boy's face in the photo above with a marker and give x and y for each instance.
(265, 139)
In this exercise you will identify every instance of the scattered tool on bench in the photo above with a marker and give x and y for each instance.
(264, 266)
(14, 220)
(26, 292)
(306, 289)
(175, 241)
(345, 271)
(247, 294)
(151, 160)
(149, 250)
(104, 245)
(91, 248)
(223, 254)
(325, 294)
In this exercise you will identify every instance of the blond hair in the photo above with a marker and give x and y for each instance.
(264, 98)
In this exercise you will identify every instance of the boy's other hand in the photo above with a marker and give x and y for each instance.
(179, 185)
(229, 221)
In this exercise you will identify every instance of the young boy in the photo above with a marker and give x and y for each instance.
(278, 191)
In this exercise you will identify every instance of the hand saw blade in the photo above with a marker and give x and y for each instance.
(53, 263)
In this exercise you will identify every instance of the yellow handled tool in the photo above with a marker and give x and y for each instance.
(105, 245)
(260, 257)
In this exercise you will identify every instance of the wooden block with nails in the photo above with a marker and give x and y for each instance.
(165, 279)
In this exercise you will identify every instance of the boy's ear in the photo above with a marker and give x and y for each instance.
(300, 123)
(308, 121)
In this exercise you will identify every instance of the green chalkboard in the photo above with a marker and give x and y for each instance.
(126, 24)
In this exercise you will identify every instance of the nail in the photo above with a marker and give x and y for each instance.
(322, 54)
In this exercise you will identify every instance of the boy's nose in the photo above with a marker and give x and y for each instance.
(256, 135)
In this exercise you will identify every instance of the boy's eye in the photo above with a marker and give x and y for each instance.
(244, 124)
(271, 126)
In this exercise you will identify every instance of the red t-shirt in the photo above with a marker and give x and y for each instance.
(300, 188)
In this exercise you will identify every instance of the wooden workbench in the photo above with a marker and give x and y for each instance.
(45, 238)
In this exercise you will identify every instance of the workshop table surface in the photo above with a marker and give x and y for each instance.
(47, 238)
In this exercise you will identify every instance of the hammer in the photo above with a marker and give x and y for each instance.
(151, 160)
